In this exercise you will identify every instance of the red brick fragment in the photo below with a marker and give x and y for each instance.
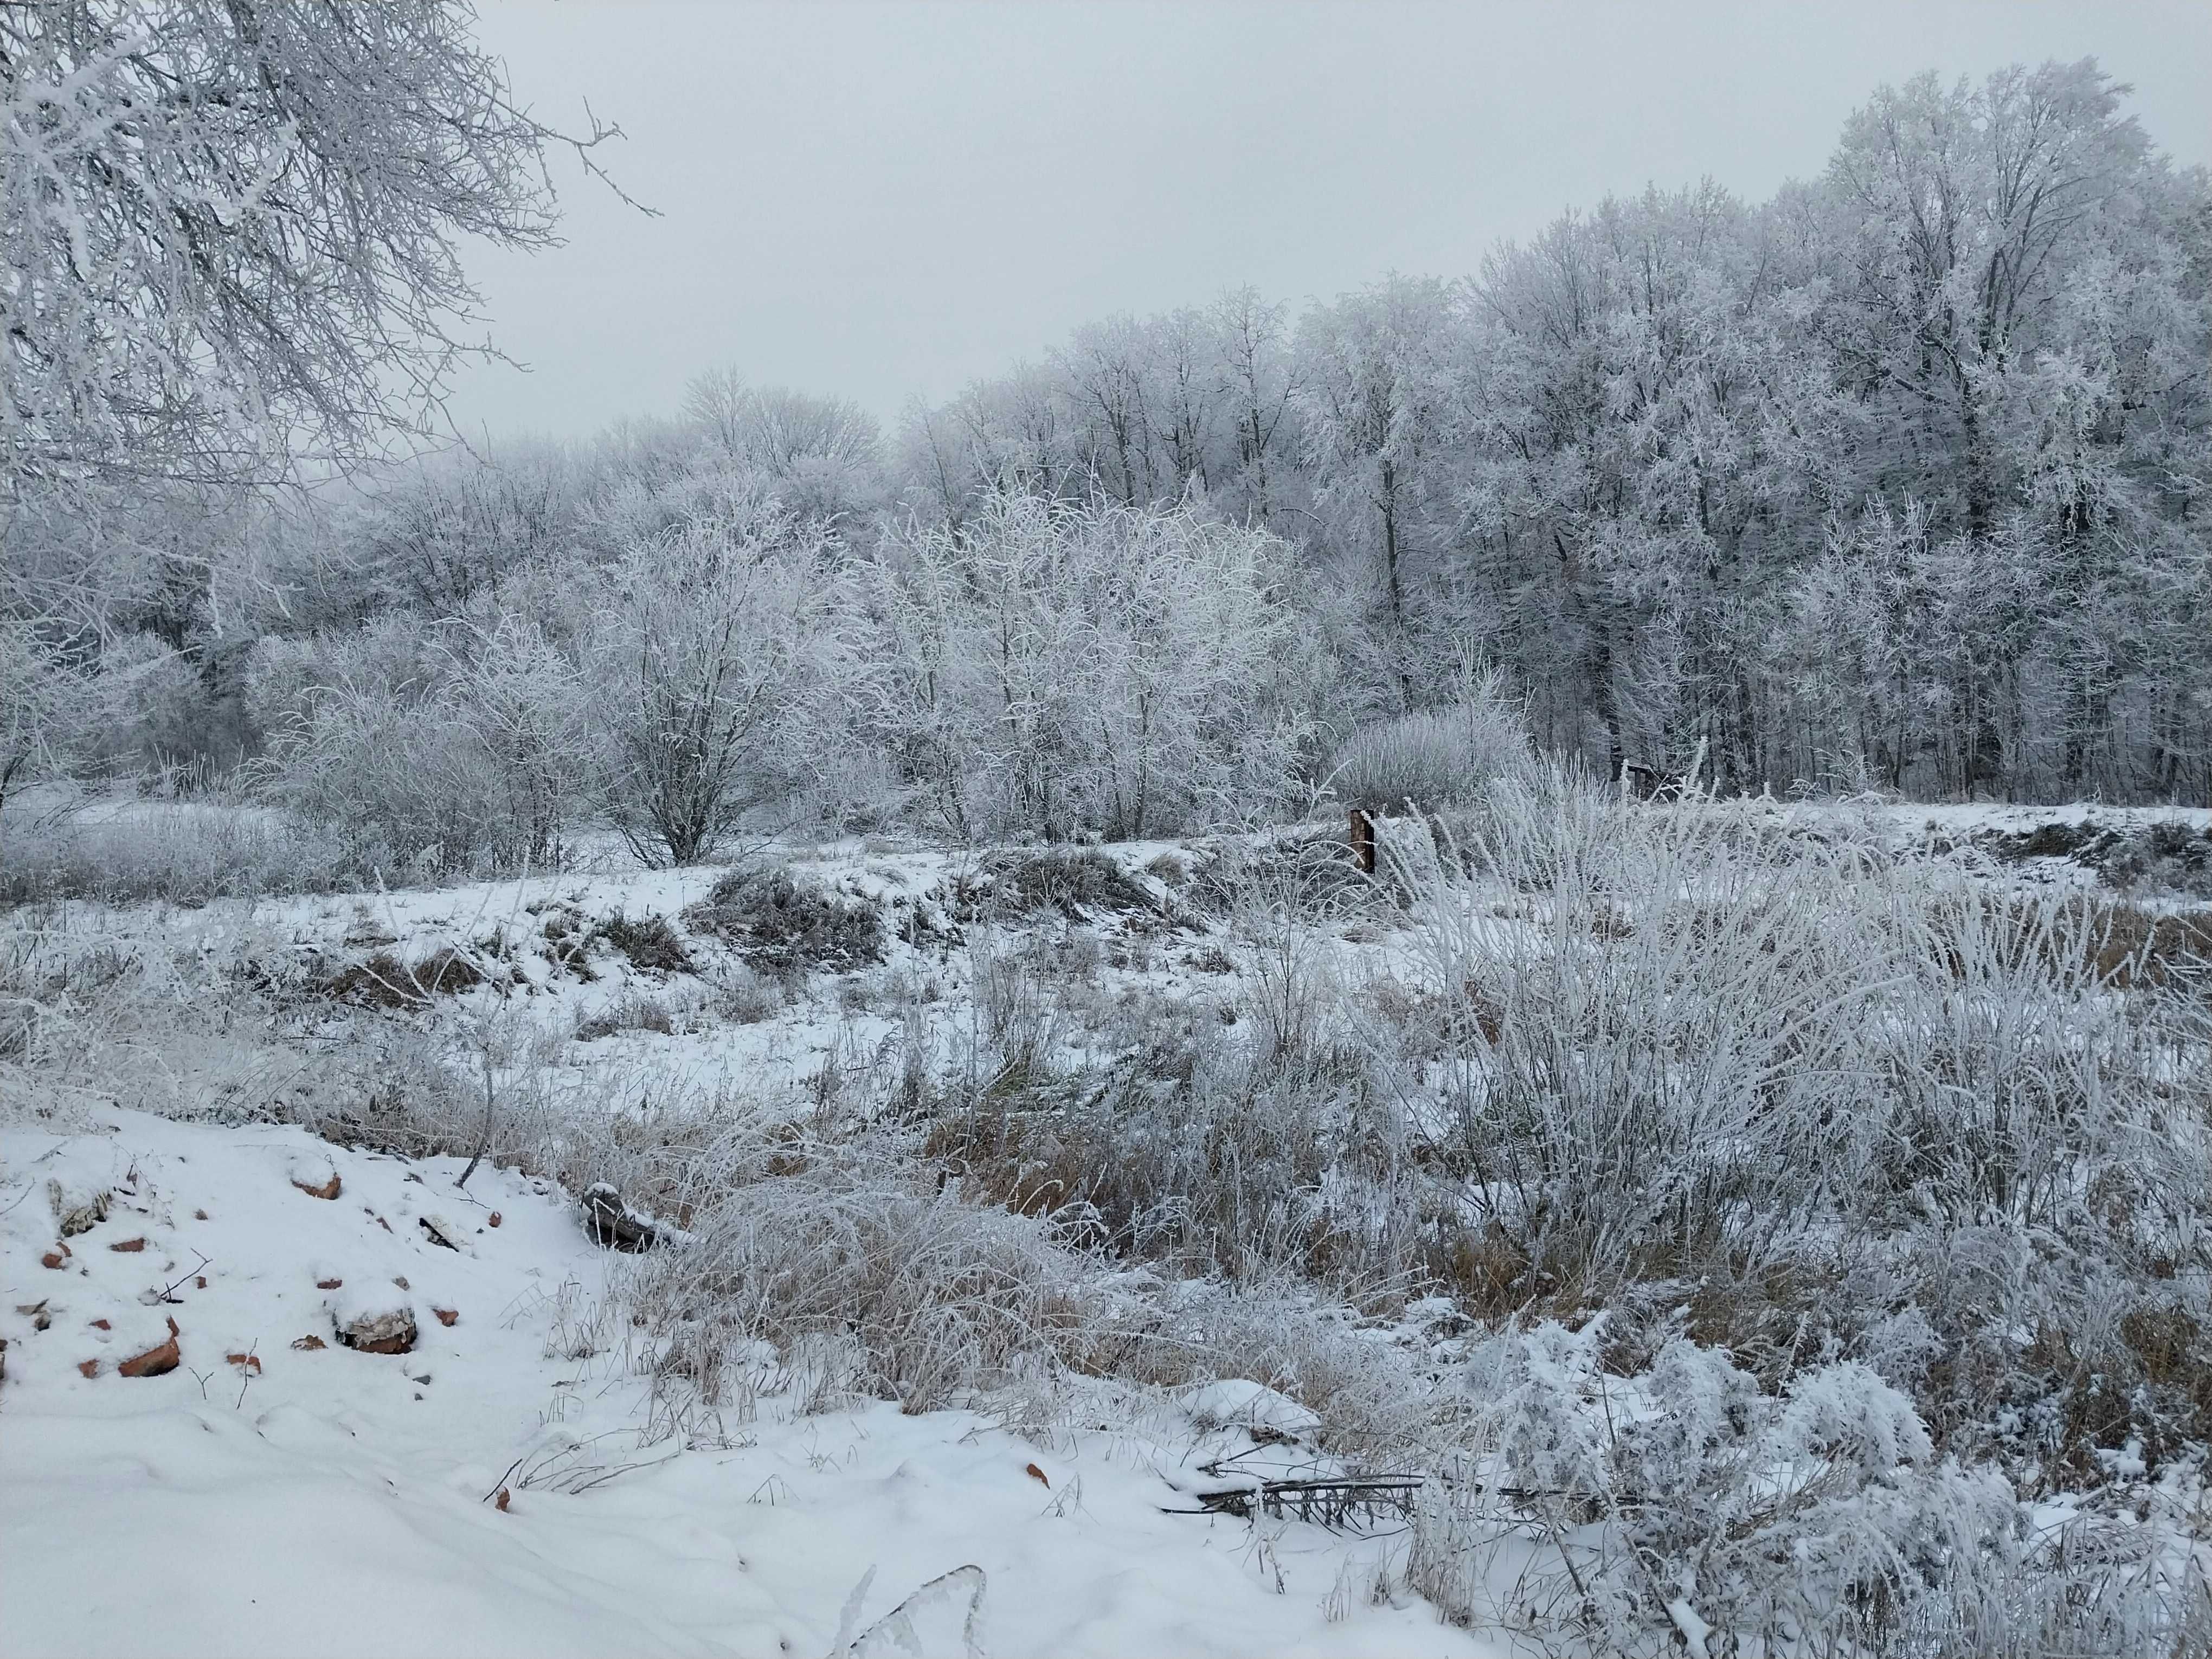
(155, 1361)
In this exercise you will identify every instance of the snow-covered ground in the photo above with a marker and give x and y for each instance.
(269, 1495)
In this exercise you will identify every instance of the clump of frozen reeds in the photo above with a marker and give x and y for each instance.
(1685, 1508)
(1434, 757)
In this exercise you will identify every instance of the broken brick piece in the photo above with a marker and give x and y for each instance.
(156, 1361)
(88, 1367)
(51, 1259)
(328, 1284)
(446, 1316)
(129, 1246)
(101, 1325)
(494, 1218)
(329, 1188)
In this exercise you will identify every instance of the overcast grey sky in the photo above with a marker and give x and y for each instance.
(887, 200)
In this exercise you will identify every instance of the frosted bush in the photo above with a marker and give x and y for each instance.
(713, 638)
(458, 748)
(1054, 667)
(1684, 1509)
(1433, 757)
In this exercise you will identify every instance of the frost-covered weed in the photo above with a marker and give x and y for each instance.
(1699, 1051)
(1433, 757)
(188, 853)
(1685, 1508)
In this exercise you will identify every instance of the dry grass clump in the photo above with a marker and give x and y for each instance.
(631, 1013)
(2166, 856)
(651, 942)
(1431, 757)
(384, 981)
(787, 925)
(846, 1253)
(2117, 942)
(1079, 882)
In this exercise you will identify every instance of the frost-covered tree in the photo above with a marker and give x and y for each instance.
(1375, 399)
(230, 233)
(1259, 383)
(1055, 667)
(710, 638)
(822, 457)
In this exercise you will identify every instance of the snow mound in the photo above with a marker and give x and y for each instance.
(1239, 1403)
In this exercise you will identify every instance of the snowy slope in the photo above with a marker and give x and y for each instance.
(325, 1500)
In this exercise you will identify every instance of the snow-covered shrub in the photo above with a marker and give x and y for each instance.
(32, 697)
(1685, 1510)
(523, 703)
(1432, 757)
(711, 640)
(145, 707)
(455, 748)
(1052, 667)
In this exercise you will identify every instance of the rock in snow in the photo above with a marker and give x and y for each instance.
(78, 1209)
(314, 1176)
(610, 1221)
(370, 1322)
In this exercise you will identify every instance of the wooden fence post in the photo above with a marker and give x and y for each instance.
(1363, 840)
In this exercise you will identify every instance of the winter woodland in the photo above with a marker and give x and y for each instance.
(1530, 945)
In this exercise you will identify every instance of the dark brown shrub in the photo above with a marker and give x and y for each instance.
(650, 943)
(787, 926)
(383, 982)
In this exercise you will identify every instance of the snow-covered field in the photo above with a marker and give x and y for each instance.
(516, 1480)
(278, 1492)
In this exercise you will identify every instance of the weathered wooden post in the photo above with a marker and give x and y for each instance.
(1363, 840)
